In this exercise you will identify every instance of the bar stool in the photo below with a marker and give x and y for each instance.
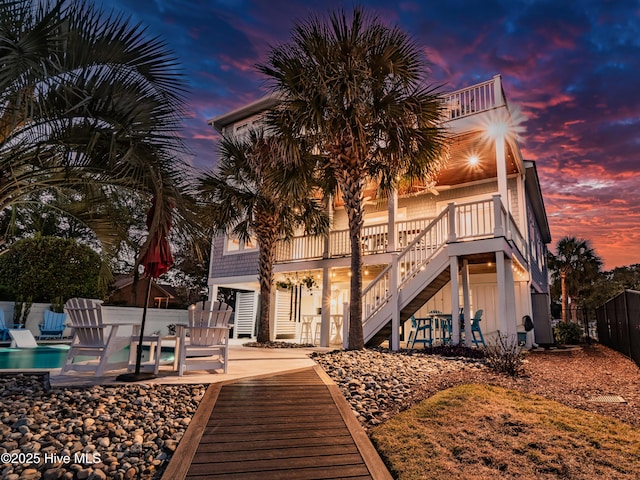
(305, 329)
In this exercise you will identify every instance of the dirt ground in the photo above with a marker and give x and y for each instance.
(571, 377)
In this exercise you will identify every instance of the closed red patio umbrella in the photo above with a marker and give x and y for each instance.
(156, 261)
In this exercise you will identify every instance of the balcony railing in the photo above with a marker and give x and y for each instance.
(477, 98)
(468, 221)
(374, 240)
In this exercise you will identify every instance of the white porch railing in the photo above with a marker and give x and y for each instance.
(374, 240)
(477, 98)
(300, 248)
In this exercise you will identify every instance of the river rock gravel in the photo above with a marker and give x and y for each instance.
(378, 383)
(99, 432)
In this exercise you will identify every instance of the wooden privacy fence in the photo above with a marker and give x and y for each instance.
(619, 324)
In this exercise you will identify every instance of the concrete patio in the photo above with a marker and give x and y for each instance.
(243, 362)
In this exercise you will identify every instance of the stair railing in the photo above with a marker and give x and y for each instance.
(412, 259)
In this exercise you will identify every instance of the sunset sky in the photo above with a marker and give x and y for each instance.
(573, 68)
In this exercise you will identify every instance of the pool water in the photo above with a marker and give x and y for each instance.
(54, 356)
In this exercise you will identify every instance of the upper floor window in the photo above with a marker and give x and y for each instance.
(234, 245)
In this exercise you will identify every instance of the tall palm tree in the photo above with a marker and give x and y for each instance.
(258, 193)
(575, 264)
(356, 88)
(89, 105)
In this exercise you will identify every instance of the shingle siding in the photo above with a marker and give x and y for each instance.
(232, 265)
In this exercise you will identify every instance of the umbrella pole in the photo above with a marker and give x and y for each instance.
(137, 376)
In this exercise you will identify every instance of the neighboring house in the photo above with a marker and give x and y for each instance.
(161, 296)
(483, 218)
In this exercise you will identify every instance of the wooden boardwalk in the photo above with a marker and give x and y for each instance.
(294, 425)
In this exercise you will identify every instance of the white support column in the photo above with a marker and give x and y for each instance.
(502, 297)
(213, 292)
(325, 318)
(512, 320)
(455, 300)
(507, 323)
(395, 316)
(466, 300)
(391, 226)
(327, 238)
(501, 166)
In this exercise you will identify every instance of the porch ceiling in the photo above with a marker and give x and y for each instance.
(459, 168)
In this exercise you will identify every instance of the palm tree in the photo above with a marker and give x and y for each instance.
(89, 108)
(256, 193)
(356, 89)
(576, 265)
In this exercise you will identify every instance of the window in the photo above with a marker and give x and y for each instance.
(234, 245)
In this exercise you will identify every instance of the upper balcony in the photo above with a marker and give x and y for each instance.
(475, 99)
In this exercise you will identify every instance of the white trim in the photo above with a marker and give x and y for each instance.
(222, 281)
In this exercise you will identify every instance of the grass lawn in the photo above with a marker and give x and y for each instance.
(484, 432)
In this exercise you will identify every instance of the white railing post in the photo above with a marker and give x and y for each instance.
(451, 207)
(498, 230)
(497, 90)
(345, 325)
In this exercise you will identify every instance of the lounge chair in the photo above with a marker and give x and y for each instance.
(204, 342)
(22, 338)
(92, 337)
(53, 325)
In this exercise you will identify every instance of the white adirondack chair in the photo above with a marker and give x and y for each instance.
(92, 337)
(204, 343)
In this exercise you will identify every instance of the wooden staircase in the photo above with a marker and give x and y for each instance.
(415, 293)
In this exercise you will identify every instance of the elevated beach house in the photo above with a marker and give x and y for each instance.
(473, 239)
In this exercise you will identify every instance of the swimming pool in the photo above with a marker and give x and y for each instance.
(53, 356)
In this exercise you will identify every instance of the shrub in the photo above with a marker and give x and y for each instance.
(568, 333)
(505, 356)
(455, 351)
(46, 268)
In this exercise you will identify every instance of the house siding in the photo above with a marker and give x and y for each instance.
(537, 254)
(232, 265)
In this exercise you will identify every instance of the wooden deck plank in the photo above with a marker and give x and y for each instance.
(288, 452)
(286, 426)
(263, 465)
(242, 443)
(339, 472)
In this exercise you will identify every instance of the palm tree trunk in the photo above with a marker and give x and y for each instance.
(352, 190)
(267, 245)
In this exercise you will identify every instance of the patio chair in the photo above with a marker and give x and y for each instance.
(204, 343)
(424, 325)
(475, 329)
(4, 329)
(53, 325)
(92, 337)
